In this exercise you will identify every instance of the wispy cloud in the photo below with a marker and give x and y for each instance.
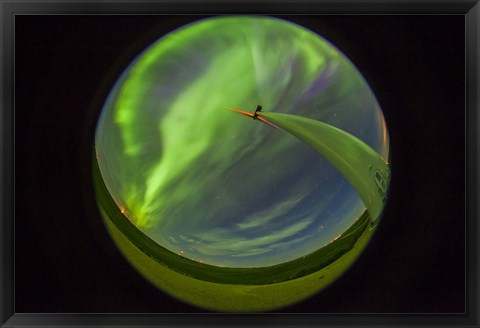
(189, 239)
(290, 242)
(255, 251)
(223, 242)
(275, 211)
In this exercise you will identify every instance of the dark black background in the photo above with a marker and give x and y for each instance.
(64, 259)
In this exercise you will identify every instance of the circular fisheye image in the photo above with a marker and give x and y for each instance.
(241, 163)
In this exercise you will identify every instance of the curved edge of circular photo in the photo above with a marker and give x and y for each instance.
(356, 158)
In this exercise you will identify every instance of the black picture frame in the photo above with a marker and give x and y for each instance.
(9, 9)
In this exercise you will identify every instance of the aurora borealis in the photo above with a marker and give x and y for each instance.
(196, 178)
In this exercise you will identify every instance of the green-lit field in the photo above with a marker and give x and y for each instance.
(232, 289)
(235, 298)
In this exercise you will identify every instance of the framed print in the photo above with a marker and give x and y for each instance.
(266, 164)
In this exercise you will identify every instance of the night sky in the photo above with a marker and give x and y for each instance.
(65, 69)
(218, 187)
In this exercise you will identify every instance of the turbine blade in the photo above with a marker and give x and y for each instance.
(240, 111)
(265, 121)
